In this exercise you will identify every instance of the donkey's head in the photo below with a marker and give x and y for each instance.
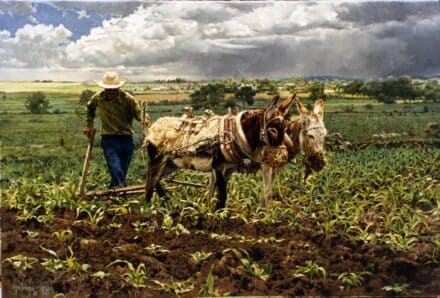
(312, 135)
(272, 129)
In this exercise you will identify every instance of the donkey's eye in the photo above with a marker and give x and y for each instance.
(311, 137)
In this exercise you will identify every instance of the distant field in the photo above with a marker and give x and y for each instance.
(156, 97)
(49, 87)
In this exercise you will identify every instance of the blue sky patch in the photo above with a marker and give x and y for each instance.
(50, 15)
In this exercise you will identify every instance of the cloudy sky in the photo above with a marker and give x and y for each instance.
(197, 40)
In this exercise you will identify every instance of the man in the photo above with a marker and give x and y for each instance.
(116, 109)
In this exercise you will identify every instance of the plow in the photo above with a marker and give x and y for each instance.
(133, 189)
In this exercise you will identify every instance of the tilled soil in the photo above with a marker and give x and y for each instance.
(280, 246)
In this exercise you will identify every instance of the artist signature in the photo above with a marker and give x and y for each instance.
(32, 290)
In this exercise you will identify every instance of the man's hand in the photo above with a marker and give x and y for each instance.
(146, 121)
(88, 132)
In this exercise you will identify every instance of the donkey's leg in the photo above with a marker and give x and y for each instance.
(154, 174)
(268, 176)
(220, 182)
(168, 170)
(155, 167)
(160, 190)
(211, 185)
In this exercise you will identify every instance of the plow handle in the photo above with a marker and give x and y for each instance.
(82, 182)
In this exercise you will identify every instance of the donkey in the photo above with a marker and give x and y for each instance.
(221, 143)
(305, 133)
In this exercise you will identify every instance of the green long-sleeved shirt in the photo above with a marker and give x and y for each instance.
(116, 114)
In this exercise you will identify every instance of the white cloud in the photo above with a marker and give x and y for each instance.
(219, 39)
(82, 14)
(34, 46)
(144, 37)
(20, 7)
(33, 20)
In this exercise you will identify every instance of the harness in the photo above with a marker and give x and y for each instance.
(230, 136)
(233, 143)
(264, 130)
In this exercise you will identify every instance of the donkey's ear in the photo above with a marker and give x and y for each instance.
(301, 109)
(319, 108)
(285, 105)
(273, 103)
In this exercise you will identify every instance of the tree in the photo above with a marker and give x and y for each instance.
(85, 96)
(405, 88)
(339, 88)
(215, 97)
(316, 90)
(208, 97)
(231, 86)
(382, 97)
(264, 85)
(353, 87)
(371, 88)
(4, 95)
(246, 95)
(431, 92)
(37, 103)
(230, 103)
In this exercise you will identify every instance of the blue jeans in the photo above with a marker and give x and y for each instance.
(118, 151)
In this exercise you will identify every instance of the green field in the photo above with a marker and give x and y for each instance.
(356, 119)
(379, 197)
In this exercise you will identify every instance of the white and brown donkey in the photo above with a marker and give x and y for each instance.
(218, 144)
(305, 133)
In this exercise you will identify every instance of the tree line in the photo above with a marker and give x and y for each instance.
(213, 95)
(391, 89)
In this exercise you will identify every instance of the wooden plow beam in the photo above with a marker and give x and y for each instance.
(128, 190)
(134, 189)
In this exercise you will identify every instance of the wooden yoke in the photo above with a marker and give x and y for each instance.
(82, 182)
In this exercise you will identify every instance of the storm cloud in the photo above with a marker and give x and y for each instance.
(198, 40)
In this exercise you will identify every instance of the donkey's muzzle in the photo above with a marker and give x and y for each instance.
(315, 161)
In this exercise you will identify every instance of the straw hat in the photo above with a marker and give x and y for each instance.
(110, 80)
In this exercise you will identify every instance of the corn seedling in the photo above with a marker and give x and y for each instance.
(68, 264)
(135, 277)
(220, 237)
(310, 270)
(26, 215)
(115, 225)
(351, 280)
(21, 263)
(176, 287)
(32, 234)
(168, 226)
(100, 274)
(94, 213)
(251, 267)
(209, 289)
(155, 250)
(63, 235)
(140, 226)
(401, 242)
(46, 218)
(200, 256)
(399, 289)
